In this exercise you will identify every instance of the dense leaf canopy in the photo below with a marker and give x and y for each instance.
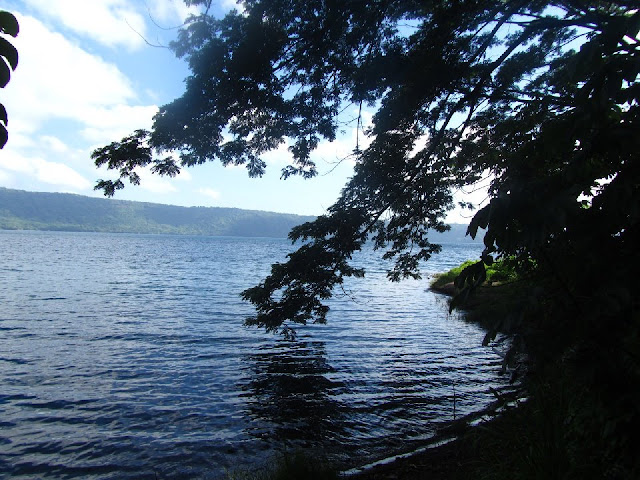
(540, 97)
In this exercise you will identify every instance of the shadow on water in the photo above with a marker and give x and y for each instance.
(295, 399)
(291, 401)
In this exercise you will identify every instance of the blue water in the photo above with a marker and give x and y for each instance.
(124, 356)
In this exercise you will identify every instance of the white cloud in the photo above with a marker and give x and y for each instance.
(153, 183)
(5, 178)
(333, 152)
(14, 162)
(59, 174)
(53, 173)
(175, 11)
(231, 4)
(105, 125)
(53, 143)
(208, 192)
(61, 100)
(57, 79)
(17, 139)
(184, 176)
(280, 157)
(114, 23)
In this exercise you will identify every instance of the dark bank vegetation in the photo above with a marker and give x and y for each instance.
(538, 99)
(575, 417)
(493, 302)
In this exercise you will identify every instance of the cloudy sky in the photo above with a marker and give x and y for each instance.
(87, 77)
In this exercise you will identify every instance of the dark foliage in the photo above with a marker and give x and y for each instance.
(8, 62)
(541, 97)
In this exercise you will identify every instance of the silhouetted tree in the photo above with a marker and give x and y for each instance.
(541, 97)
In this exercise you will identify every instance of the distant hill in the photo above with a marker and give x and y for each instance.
(21, 210)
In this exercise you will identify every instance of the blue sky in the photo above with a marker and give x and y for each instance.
(86, 78)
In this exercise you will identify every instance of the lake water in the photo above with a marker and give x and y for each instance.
(124, 356)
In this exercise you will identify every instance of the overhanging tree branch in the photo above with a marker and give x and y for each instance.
(516, 104)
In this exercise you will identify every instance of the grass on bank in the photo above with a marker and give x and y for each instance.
(502, 271)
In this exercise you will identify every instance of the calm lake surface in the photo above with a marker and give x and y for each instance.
(124, 356)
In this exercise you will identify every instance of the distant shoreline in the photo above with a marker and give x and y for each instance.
(63, 212)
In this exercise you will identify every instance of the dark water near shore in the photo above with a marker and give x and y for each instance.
(124, 356)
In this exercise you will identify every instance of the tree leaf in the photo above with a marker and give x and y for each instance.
(479, 220)
(9, 52)
(9, 24)
(5, 73)
(4, 136)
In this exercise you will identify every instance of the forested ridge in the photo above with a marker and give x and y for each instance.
(67, 212)
(22, 210)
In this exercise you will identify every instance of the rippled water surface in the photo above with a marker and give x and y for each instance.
(124, 356)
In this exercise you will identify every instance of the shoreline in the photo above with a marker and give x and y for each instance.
(457, 450)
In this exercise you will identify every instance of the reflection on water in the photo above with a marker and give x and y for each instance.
(124, 356)
(290, 395)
